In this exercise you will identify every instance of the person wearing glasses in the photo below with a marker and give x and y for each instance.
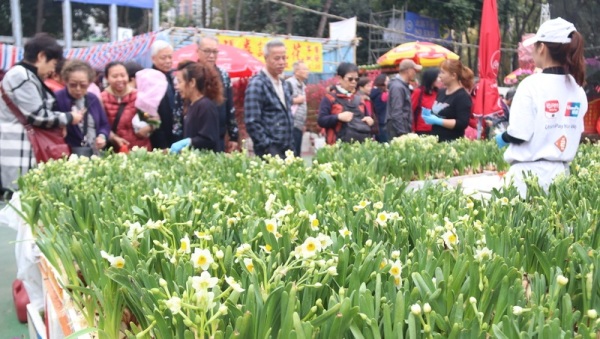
(267, 105)
(24, 86)
(93, 130)
(399, 119)
(170, 109)
(342, 112)
(207, 53)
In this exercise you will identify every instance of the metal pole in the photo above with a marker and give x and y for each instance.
(17, 29)
(67, 23)
(156, 16)
(113, 22)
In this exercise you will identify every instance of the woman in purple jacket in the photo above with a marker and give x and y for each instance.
(93, 130)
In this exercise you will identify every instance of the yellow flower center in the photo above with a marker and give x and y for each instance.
(250, 267)
(268, 247)
(315, 223)
(395, 271)
(202, 260)
(452, 238)
(119, 263)
(271, 227)
(311, 247)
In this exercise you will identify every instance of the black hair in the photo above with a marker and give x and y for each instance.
(428, 79)
(511, 93)
(132, 67)
(380, 80)
(44, 43)
(362, 82)
(345, 68)
(111, 65)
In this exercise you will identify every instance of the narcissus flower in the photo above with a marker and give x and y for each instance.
(185, 245)
(204, 281)
(202, 258)
(450, 239)
(249, 264)
(483, 254)
(117, 262)
(271, 225)
(382, 218)
(396, 269)
(314, 222)
(234, 284)
(174, 304)
(345, 232)
(310, 247)
(267, 248)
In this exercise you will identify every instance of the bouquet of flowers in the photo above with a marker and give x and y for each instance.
(151, 86)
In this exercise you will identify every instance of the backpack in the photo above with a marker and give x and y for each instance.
(354, 130)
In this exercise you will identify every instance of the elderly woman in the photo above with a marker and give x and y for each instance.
(342, 112)
(93, 130)
(24, 86)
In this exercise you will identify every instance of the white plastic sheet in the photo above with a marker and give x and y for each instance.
(26, 252)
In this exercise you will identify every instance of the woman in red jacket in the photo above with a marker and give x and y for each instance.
(119, 102)
(424, 96)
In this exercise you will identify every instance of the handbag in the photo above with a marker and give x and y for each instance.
(84, 150)
(46, 144)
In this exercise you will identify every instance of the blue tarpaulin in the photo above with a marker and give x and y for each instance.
(126, 3)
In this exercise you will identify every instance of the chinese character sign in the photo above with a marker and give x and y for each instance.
(309, 52)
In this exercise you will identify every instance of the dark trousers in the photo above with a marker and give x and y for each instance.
(297, 134)
(382, 135)
(274, 150)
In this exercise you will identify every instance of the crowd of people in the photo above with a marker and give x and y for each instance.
(166, 107)
(356, 108)
(171, 107)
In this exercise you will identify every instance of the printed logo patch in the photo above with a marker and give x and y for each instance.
(551, 107)
(561, 143)
(572, 109)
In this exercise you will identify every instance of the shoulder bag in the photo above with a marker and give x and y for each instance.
(115, 124)
(46, 144)
(85, 149)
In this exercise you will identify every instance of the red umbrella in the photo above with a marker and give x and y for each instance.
(237, 62)
(486, 98)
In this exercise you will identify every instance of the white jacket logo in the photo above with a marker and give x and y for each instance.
(551, 107)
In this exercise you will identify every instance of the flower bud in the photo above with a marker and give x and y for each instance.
(426, 308)
(592, 314)
(219, 254)
(162, 282)
(223, 309)
(415, 309)
(472, 300)
(187, 322)
(562, 280)
(517, 310)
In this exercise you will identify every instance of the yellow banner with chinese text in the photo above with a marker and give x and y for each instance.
(309, 52)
